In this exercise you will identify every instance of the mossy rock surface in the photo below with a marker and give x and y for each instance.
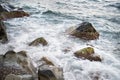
(87, 53)
(38, 41)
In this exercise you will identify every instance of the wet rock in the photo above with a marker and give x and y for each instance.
(18, 77)
(48, 62)
(84, 31)
(3, 34)
(26, 62)
(12, 14)
(38, 41)
(2, 9)
(87, 53)
(50, 73)
(17, 64)
(46, 75)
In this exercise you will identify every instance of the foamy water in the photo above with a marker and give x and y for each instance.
(51, 18)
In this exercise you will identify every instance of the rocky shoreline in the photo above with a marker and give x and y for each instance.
(19, 66)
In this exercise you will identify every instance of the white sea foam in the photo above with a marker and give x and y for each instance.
(22, 31)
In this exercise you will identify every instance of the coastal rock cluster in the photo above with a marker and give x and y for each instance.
(19, 66)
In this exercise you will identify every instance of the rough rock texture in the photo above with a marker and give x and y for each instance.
(8, 11)
(12, 14)
(18, 77)
(87, 53)
(48, 71)
(48, 62)
(38, 41)
(2, 9)
(25, 62)
(84, 31)
(15, 63)
(3, 35)
(46, 75)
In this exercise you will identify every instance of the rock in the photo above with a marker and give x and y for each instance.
(2, 9)
(48, 62)
(50, 73)
(84, 31)
(38, 41)
(6, 69)
(12, 14)
(18, 77)
(3, 34)
(26, 62)
(87, 53)
(17, 64)
(46, 75)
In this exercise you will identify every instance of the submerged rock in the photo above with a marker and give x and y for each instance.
(87, 53)
(16, 63)
(3, 34)
(38, 41)
(84, 31)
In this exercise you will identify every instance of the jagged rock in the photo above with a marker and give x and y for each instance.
(87, 53)
(18, 77)
(38, 41)
(12, 14)
(16, 63)
(3, 34)
(84, 31)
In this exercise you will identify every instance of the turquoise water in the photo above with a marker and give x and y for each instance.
(51, 18)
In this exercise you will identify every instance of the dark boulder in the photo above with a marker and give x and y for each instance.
(38, 41)
(46, 75)
(12, 14)
(84, 31)
(87, 53)
(3, 34)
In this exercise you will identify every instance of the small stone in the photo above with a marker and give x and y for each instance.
(87, 53)
(38, 41)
